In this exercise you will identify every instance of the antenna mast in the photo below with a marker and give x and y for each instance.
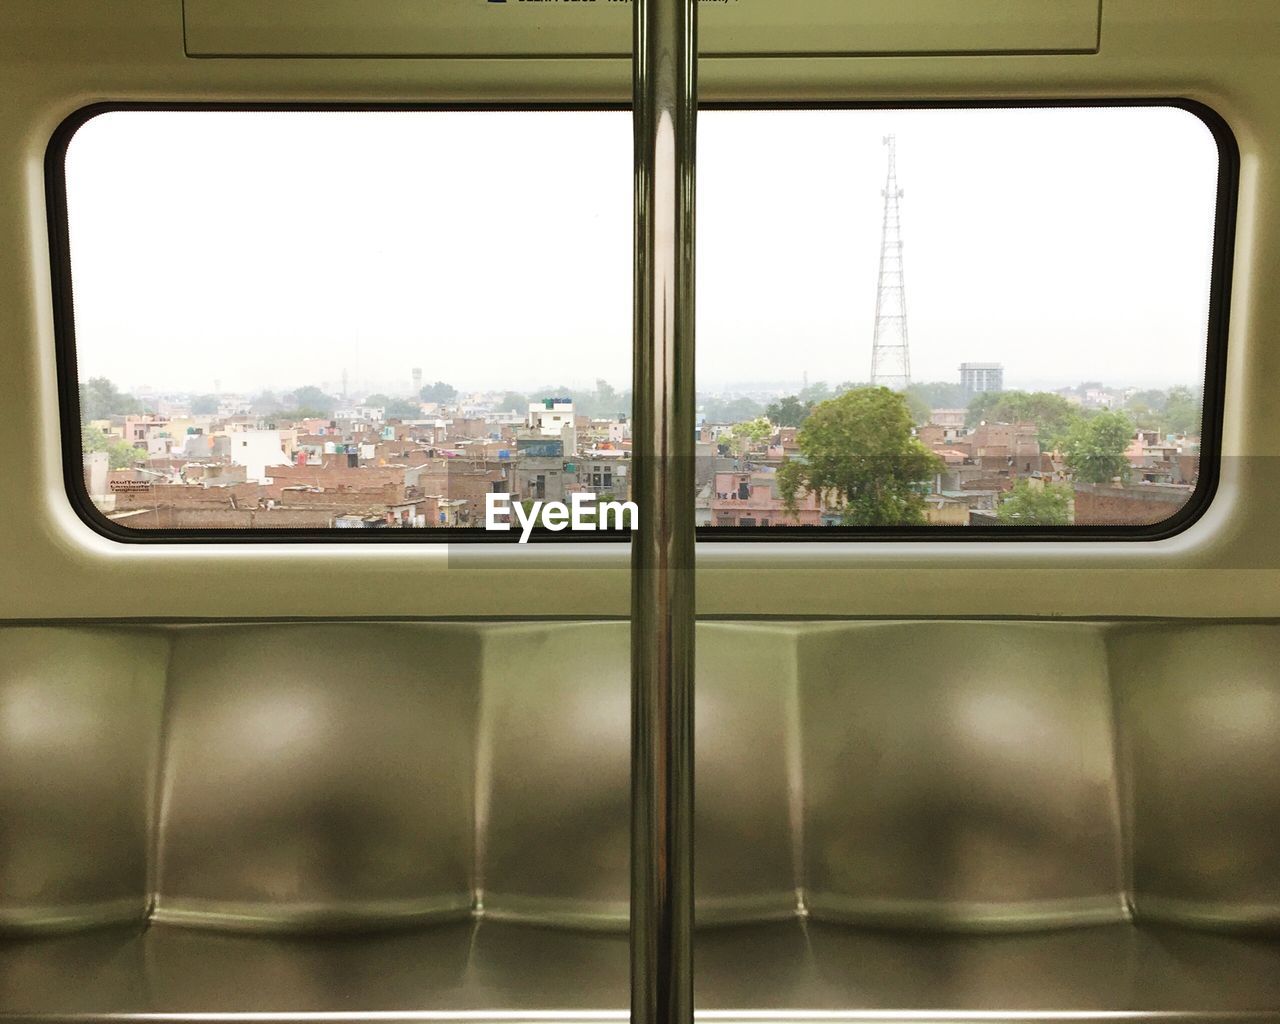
(890, 360)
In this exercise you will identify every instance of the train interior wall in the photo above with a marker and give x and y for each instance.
(934, 778)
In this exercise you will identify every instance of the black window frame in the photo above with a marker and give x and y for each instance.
(1212, 411)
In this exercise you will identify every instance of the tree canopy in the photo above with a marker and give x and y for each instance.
(120, 453)
(818, 391)
(1052, 414)
(919, 409)
(307, 402)
(731, 410)
(401, 409)
(747, 435)
(204, 405)
(860, 448)
(1176, 411)
(264, 404)
(789, 411)
(603, 402)
(1028, 505)
(439, 392)
(100, 399)
(394, 408)
(938, 394)
(1095, 448)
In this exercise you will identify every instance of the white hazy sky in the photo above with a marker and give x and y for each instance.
(493, 249)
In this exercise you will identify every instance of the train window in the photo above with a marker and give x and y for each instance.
(912, 322)
(921, 321)
(310, 321)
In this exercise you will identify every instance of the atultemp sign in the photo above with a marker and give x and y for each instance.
(582, 514)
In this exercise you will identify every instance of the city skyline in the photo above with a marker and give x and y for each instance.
(542, 391)
(267, 250)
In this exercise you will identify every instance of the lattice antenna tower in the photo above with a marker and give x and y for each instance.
(890, 357)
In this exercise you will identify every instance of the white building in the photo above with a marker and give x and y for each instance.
(361, 413)
(553, 417)
(97, 466)
(258, 451)
(550, 415)
(979, 378)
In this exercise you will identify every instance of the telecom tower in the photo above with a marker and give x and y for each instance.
(890, 360)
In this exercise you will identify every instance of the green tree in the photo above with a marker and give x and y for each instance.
(849, 385)
(607, 401)
(439, 392)
(100, 400)
(581, 399)
(204, 405)
(788, 412)
(1052, 414)
(120, 453)
(292, 415)
(401, 409)
(1175, 411)
(745, 436)
(1095, 447)
(394, 408)
(1027, 505)
(1146, 408)
(859, 447)
(513, 401)
(310, 401)
(938, 394)
(920, 410)
(980, 408)
(264, 404)
(731, 410)
(818, 391)
(1182, 411)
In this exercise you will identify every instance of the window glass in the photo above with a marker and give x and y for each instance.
(952, 317)
(907, 318)
(358, 320)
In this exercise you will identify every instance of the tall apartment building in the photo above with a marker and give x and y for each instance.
(976, 378)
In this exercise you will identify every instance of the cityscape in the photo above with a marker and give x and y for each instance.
(959, 453)
(406, 452)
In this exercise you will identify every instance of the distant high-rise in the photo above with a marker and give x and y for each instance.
(417, 381)
(890, 358)
(975, 378)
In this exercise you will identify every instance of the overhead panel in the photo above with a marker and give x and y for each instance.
(602, 28)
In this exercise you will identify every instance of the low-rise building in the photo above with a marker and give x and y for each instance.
(259, 451)
(603, 472)
(943, 510)
(752, 499)
(468, 480)
(1132, 505)
(950, 419)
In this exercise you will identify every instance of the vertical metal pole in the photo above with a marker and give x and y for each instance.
(664, 64)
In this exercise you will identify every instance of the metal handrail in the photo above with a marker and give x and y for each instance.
(662, 548)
